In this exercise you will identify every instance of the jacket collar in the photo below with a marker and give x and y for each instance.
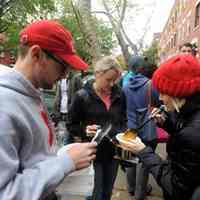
(115, 94)
(191, 106)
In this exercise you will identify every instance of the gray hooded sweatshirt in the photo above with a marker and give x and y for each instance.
(28, 169)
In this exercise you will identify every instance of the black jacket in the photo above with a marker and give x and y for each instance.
(87, 109)
(179, 175)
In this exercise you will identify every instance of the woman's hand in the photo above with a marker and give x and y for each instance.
(91, 130)
(159, 117)
(135, 146)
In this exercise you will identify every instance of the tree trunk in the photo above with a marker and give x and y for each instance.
(90, 31)
(123, 46)
(118, 32)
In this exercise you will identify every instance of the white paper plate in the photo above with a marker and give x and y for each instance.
(119, 137)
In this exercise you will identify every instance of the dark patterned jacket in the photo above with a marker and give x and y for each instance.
(179, 175)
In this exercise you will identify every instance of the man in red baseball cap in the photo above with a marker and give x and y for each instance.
(54, 38)
(51, 39)
(29, 169)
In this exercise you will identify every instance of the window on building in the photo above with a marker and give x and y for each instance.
(172, 43)
(175, 39)
(180, 7)
(182, 33)
(175, 16)
(184, 3)
(197, 15)
(189, 29)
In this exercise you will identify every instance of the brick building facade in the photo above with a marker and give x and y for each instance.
(183, 25)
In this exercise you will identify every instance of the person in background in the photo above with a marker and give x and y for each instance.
(29, 169)
(140, 96)
(99, 103)
(62, 99)
(130, 73)
(136, 61)
(65, 90)
(188, 48)
(178, 82)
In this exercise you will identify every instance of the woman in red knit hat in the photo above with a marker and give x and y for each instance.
(178, 82)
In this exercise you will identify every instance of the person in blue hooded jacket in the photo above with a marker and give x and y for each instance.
(139, 97)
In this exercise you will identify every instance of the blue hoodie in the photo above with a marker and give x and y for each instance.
(137, 100)
(28, 169)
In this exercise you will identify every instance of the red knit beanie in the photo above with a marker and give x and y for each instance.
(178, 76)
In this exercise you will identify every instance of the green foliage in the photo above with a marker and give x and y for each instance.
(152, 53)
(18, 14)
(106, 41)
(120, 59)
(74, 18)
(104, 36)
(71, 24)
(25, 11)
(12, 36)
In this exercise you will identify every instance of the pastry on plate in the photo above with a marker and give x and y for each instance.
(130, 134)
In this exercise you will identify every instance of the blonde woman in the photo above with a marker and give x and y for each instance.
(178, 82)
(100, 102)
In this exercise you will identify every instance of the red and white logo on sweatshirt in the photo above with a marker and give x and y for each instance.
(47, 123)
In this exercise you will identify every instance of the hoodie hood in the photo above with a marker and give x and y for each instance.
(14, 80)
(137, 81)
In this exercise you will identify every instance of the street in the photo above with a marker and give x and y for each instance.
(69, 189)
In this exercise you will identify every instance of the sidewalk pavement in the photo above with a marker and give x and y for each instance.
(119, 191)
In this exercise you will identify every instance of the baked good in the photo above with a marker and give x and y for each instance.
(130, 134)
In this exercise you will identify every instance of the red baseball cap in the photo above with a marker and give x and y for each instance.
(53, 37)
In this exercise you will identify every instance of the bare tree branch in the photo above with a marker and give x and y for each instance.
(5, 6)
(130, 43)
(120, 27)
(118, 33)
(89, 29)
(147, 25)
(100, 12)
(117, 20)
(122, 14)
(3, 27)
(80, 24)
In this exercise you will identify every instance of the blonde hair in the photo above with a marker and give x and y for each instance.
(178, 103)
(107, 63)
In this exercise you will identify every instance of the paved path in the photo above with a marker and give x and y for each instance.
(119, 192)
